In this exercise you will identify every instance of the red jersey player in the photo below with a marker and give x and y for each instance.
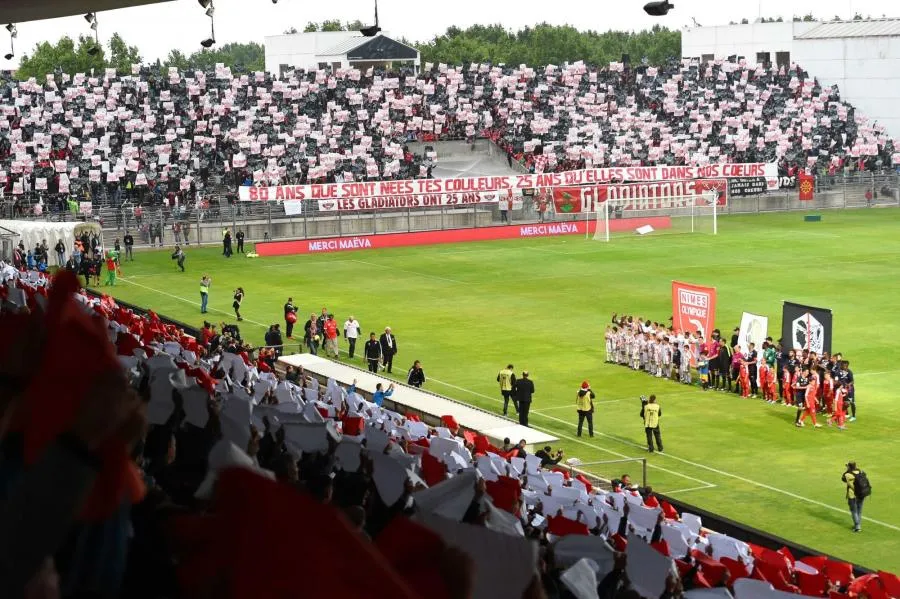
(828, 392)
(764, 374)
(772, 386)
(812, 402)
(838, 414)
(745, 380)
(788, 386)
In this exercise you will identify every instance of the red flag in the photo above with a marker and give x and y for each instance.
(807, 187)
(567, 200)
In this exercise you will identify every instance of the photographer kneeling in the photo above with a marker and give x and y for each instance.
(651, 413)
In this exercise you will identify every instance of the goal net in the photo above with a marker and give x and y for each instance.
(658, 215)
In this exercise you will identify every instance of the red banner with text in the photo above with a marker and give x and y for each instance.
(693, 308)
(657, 195)
(388, 240)
(594, 176)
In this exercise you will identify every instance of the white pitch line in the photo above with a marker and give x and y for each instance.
(579, 441)
(876, 373)
(185, 300)
(410, 272)
(596, 403)
(694, 464)
(688, 489)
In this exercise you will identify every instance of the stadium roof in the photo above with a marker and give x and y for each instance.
(346, 46)
(379, 47)
(21, 11)
(870, 28)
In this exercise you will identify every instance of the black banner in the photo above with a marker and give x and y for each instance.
(528, 192)
(747, 186)
(787, 182)
(805, 327)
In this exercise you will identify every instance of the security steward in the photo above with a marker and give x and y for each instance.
(507, 380)
(651, 413)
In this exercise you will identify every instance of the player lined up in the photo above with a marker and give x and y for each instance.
(654, 349)
(803, 379)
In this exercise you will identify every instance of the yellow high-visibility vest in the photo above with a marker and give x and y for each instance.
(651, 415)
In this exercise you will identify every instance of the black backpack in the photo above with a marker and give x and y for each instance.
(861, 486)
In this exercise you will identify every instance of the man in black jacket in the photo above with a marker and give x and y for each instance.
(524, 389)
(60, 253)
(372, 351)
(277, 340)
(388, 348)
(548, 458)
(128, 240)
(240, 241)
(289, 309)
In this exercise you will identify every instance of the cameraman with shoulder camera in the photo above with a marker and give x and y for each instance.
(651, 412)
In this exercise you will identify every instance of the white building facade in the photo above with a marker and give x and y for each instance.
(861, 57)
(335, 49)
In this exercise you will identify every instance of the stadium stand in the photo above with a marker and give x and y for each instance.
(153, 136)
(262, 467)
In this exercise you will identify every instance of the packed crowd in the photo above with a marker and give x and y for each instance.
(156, 135)
(171, 461)
(803, 379)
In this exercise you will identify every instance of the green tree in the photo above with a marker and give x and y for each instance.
(291, 31)
(121, 55)
(64, 56)
(548, 44)
(331, 25)
(176, 58)
(240, 57)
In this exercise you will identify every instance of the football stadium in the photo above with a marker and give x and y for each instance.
(644, 283)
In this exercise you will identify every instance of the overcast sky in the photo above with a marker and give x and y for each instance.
(157, 29)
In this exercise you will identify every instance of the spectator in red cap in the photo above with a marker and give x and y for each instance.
(584, 404)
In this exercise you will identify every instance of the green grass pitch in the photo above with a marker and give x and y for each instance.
(467, 310)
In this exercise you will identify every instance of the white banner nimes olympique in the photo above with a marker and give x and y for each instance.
(754, 329)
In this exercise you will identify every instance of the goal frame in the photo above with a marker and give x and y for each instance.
(710, 207)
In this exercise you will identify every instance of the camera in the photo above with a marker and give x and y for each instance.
(643, 400)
